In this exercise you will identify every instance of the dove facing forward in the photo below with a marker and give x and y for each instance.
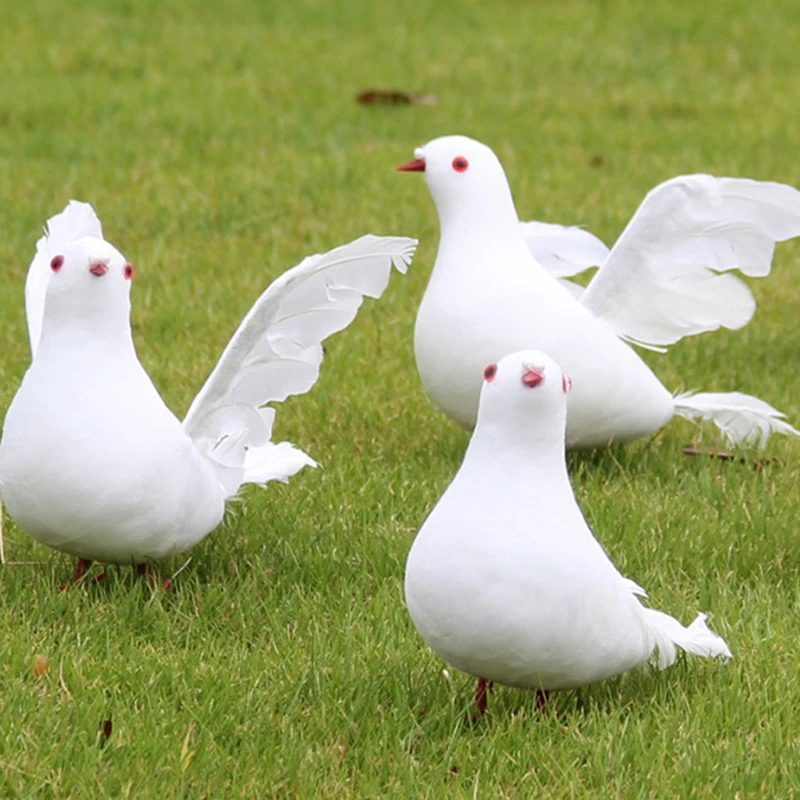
(505, 580)
(666, 277)
(92, 461)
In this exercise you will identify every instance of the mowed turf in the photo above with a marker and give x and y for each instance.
(220, 142)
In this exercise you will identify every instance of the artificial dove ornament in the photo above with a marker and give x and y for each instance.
(505, 580)
(668, 276)
(93, 463)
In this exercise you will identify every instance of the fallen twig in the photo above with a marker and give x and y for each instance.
(694, 449)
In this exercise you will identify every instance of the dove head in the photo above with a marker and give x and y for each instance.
(524, 401)
(88, 291)
(466, 180)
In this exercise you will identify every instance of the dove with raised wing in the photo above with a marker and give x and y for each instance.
(92, 461)
(668, 276)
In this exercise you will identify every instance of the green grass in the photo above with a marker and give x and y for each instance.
(220, 143)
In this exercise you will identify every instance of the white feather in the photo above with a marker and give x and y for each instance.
(697, 639)
(276, 352)
(74, 222)
(665, 278)
(563, 251)
(742, 418)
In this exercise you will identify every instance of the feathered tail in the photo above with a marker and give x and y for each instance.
(742, 418)
(697, 640)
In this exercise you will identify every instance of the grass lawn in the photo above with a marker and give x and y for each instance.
(220, 142)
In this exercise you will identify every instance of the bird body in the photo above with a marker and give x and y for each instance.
(65, 479)
(481, 304)
(505, 580)
(667, 277)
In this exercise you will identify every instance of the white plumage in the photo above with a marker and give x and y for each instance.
(564, 251)
(92, 461)
(499, 285)
(76, 221)
(505, 581)
(667, 275)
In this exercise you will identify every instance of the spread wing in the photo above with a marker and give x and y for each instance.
(564, 251)
(668, 275)
(276, 352)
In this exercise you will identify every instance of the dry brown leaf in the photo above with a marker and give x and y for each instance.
(370, 97)
(106, 727)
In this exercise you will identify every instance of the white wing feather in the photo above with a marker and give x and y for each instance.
(74, 222)
(563, 251)
(276, 352)
(666, 277)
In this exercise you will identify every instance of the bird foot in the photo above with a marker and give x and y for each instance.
(81, 568)
(542, 701)
(146, 571)
(480, 700)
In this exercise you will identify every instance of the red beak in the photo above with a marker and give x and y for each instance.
(99, 269)
(532, 377)
(417, 165)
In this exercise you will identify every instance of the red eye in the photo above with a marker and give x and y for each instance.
(566, 383)
(460, 164)
(490, 372)
(128, 271)
(57, 263)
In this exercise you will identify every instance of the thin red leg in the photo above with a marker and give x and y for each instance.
(146, 571)
(481, 698)
(81, 567)
(542, 700)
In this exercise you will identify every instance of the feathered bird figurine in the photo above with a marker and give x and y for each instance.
(93, 463)
(668, 276)
(505, 581)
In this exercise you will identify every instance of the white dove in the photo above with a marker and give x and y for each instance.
(665, 278)
(505, 581)
(93, 463)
